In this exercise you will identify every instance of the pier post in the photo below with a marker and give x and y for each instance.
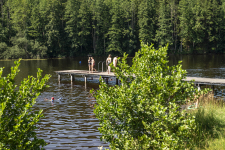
(85, 80)
(72, 78)
(59, 77)
(199, 87)
(71, 89)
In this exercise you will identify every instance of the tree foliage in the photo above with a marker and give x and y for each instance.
(17, 120)
(144, 112)
(78, 27)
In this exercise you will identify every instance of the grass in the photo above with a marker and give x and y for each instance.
(210, 119)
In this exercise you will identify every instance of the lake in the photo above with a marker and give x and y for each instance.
(71, 123)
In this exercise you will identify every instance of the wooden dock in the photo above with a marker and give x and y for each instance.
(85, 73)
(207, 81)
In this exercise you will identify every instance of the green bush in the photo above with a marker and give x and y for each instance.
(144, 112)
(17, 120)
(3, 50)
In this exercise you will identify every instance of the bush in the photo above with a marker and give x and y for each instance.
(144, 112)
(17, 120)
(3, 49)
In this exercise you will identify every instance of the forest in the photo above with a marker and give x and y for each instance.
(71, 28)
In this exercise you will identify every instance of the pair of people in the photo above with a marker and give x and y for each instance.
(108, 62)
(91, 64)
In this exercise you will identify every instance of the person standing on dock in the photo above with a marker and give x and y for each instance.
(92, 64)
(115, 61)
(108, 61)
(89, 64)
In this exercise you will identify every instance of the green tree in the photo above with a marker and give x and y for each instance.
(55, 28)
(3, 50)
(100, 25)
(164, 32)
(4, 30)
(84, 24)
(21, 11)
(72, 30)
(17, 120)
(104, 19)
(187, 21)
(115, 31)
(221, 31)
(167, 23)
(147, 20)
(144, 111)
(129, 14)
(206, 25)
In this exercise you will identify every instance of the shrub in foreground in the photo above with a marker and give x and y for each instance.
(17, 120)
(144, 111)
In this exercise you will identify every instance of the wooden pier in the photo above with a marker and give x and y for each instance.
(85, 73)
(207, 81)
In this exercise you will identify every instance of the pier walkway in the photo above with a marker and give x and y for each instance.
(85, 73)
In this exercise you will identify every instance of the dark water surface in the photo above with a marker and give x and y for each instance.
(71, 123)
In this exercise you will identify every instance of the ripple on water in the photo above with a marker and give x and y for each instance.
(70, 123)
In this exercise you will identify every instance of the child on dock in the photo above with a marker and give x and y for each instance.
(115, 61)
(92, 64)
(89, 64)
(108, 61)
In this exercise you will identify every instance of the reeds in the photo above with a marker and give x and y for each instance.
(210, 121)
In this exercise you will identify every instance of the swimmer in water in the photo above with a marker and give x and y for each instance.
(52, 99)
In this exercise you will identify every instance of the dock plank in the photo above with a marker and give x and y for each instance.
(206, 81)
(86, 73)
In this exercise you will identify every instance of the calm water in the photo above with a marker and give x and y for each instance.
(70, 123)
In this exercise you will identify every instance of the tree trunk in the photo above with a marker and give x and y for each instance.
(2, 10)
(8, 16)
(97, 37)
(181, 46)
(104, 44)
(93, 38)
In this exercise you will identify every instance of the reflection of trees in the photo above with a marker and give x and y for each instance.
(210, 65)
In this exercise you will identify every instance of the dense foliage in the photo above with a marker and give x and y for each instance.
(17, 120)
(56, 28)
(144, 112)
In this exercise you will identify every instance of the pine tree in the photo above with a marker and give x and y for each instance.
(55, 28)
(147, 20)
(115, 31)
(71, 17)
(187, 21)
(84, 26)
(164, 32)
